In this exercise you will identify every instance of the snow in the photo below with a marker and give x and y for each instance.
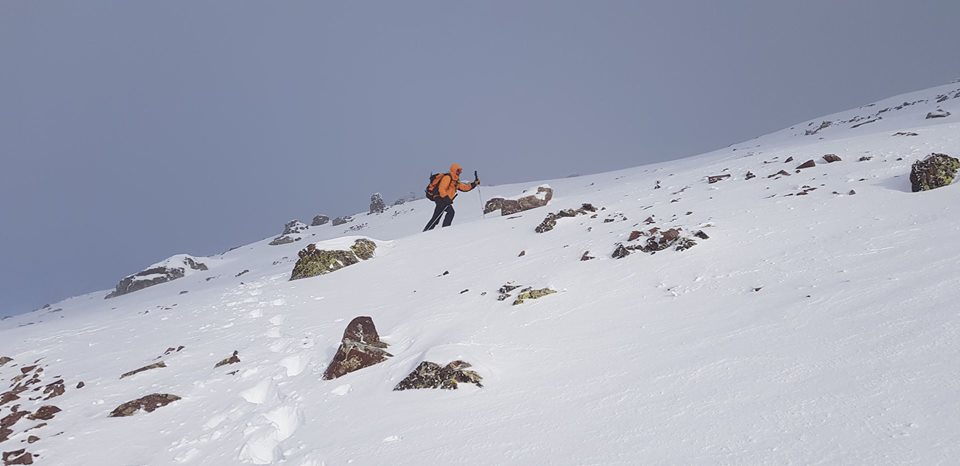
(808, 329)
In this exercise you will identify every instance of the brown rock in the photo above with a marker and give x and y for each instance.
(789, 159)
(32, 439)
(148, 403)
(45, 413)
(21, 456)
(4, 360)
(808, 164)
(8, 421)
(830, 158)
(26, 370)
(634, 235)
(54, 389)
(620, 252)
(360, 347)
(231, 360)
(716, 178)
(156, 365)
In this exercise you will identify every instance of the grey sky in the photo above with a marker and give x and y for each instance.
(130, 131)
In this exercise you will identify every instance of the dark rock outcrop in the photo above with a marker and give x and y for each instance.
(377, 206)
(44, 413)
(157, 275)
(315, 261)
(320, 220)
(551, 219)
(360, 347)
(55, 389)
(21, 456)
(511, 206)
(938, 113)
(716, 178)
(148, 403)
(341, 220)
(231, 360)
(935, 171)
(291, 232)
(156, 365)
(808, 164)
(4, 360)
(431, 375)
(830, 158)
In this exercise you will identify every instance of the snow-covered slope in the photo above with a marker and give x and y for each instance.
(814, 328)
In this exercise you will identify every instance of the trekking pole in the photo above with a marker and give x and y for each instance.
(479, 196)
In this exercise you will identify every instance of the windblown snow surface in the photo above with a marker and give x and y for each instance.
(808, 329)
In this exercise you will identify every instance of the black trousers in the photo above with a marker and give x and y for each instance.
(442, 205)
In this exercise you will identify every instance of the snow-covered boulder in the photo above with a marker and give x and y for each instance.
(938, 113)
(935, 171)
(173, 268)
(360, 347)
(291, 232)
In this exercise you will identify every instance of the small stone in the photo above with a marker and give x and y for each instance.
(586, 256)
(808, 164)
(750, 175)
(620, 252)
(522, 253)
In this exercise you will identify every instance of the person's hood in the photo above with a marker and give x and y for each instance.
(453, 171)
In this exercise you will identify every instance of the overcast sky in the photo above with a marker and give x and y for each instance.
(131, 131)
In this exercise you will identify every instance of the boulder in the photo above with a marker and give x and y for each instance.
(377, 206)
(935, 171)
(4, 360)
(830, 158)
(315, 261)
(157, 365)
(21, 456)
(231, 360)
(44, 413)
(320, 220)
(493, 205)
(360, 347)
(291, 233)
(55, 389)
(532, 294)
(938, 113)
(341, 220)
(431, 375)
(620, 252)
(171, 269)
(551, 219)
(511, 206)
(148, 403)
(808, 164)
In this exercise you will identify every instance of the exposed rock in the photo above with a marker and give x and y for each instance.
(905, 133)
(244, 271)
(55, 389)
(750, 175)
(44, 413)
(830, 158)
(634, 235)
(511, 206)
(620, 252)
(935, 171)
(80, 385)
(156, 365)
(431, 375)
(32, 439)
(8, 421)
(291, 232)
(808, 164)
(522, 253)
(377, 206)
(231, 360)
(148, 403)
(171, 269)
(341, 220)
(551, 219)
(532, 294)
(938, 113)
(364, 248)
(823, 125)
(779, 173)
(315, 261)
(4, 360)
(864, 158)
(21, 456)
(505, 291)
(700, 234)
(716, 178)
(281, 240)
(360, 347)
(789, 159)
(586, 256)
(320, 220)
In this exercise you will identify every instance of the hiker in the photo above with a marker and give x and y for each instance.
(442, 191)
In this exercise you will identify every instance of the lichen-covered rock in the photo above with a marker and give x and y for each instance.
(157, 365)
(360, 347)
(431, 375)
(532, 294)
(935, 171)
(315, 261)
(148, 403)
(364, 248)
(377, 206)
(505, 291)
(231, 360)
(341, 220)
(320, 220)
(171, 269)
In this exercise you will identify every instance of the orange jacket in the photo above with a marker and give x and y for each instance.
(449, 185)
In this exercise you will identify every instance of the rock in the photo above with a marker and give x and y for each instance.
(21, 456)
(905, 133)
(148, 403)
(32, 439)
(685, 243)
(364, 248)
(586, 256)
(750, 175)
(8, 421)
(55, 389)
(700, 234)
(431, 375)
(634, 235)
(551, 219)
(320, 220)
(505, 291)
(779, 173)
(808, 164)
(377, 206)
(620, 252)
(789, 159)
(4, 360)
(864, 158)
(360, 347)
(852, 192)
(493, 205)
(532, 294)
(157, 365)
(81, 385)
(171, 269)
(44, 413)
(830, 158)
(522, 253)
(938, 113)
(511, 206)
(341, 220)
(935, 171)
(716, 178)
(291, 233)
(823, 125)
(315, 261)
(231, 360)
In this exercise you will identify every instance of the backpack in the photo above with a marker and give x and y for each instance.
(433, 188)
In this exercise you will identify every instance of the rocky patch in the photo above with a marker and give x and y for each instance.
(530, 293)
(315, 261)
(935, 171)
(360, 347)
(44, 413)
(808, 164)
(551, 220)
(657, 240)
(21, 456)
(231, 360)
(341, 220)
(320, 220)
(156, 365)
(291, 233)
(149, 403)
(173, 268)
(377, 206)
(905, 133)
(938, 113)
(511, 206)
(432, 375)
